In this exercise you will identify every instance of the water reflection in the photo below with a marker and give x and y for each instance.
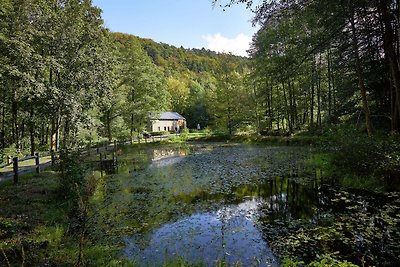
(212, 203)
(229, 234)
(157, 163)
(165, 157)
(284, 198)
(234, 232)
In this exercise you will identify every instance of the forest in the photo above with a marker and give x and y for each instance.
(66, 79)
(316, 69)
(313, 64)
(322, 75)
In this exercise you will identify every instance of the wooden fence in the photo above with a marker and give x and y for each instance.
(86, 150)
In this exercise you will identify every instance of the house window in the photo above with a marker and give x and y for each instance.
(165, 128)
(159, 128)
(168, 128)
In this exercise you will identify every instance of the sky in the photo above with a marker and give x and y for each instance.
(187, 23)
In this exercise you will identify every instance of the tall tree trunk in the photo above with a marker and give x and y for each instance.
(278, 120)
(230, 124)
(360, 77)
(3, 128)
(53, 143)
(47, 134)
(32, 131)
(67, 130)
(132, 120)
(393, 62)
(292, 118)
(22, 135)
(108, 125)
(319, 116)
(287, 111)
(257, 115)
(333, 94)
(14, 112)
(295, 111)
(2, 139)
(270, 106)
(312, 95)
(55, 128)
(329, 83)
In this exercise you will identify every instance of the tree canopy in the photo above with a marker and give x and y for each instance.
(326, 62)
(66, 79)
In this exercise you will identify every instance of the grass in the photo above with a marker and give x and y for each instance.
(32, 219)
(35, 226)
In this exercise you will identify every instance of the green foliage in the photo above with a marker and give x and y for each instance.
(324, 261)
(352, 227)
(72, 176)
(195, 84)
(300, 77)
(364, 156)
(184, 132)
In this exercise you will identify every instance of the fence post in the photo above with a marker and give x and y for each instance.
(15, 167)
(37, 163)
(115, 145)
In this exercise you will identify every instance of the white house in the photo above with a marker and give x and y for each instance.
(165, 121)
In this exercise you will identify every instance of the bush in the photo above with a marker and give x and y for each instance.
(72, 174)
(325, 260)
(184, 132)
(158, 133)
(358, 154)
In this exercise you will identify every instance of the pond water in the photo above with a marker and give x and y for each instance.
(255, 205)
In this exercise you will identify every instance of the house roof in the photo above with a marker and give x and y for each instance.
(166, 116)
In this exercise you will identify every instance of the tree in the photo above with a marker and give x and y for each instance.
(179, 92)
(334, 44)
(230, 98)
(140, 81)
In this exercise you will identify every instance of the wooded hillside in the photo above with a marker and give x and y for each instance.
(66, 80)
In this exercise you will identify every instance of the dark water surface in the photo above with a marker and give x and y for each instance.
(237, 203)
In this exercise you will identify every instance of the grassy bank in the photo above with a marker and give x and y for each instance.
(33, 221)
(300, 140)
(42, 221)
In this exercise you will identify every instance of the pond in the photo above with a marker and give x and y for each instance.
(213, 202)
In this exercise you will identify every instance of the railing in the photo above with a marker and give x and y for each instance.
(15, 162)
(85, 150)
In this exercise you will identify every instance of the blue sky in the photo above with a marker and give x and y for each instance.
(187, 23)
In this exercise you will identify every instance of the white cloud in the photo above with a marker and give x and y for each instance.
(236, 46)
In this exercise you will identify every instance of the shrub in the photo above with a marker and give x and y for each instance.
(358, 154)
